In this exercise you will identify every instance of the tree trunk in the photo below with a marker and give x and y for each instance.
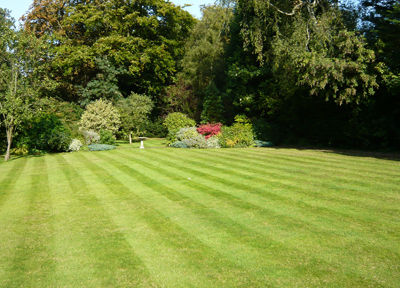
(130, 138)
(9, 142)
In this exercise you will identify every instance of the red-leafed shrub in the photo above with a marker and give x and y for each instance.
(209, 130)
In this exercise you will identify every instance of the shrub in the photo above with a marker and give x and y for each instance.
(179, 144)
(240, 134)
(69, 113)
(156, 129)
(174, 122)
(213, 142)
(135, 111)
(45, 132)
(100, 147)
(209, 130)
(191, 138)
(91, 137)
(100, 115)
(196, 142)
(186, 133)
(106, 137)
(21, 150)
(59, 140)
(75, 145)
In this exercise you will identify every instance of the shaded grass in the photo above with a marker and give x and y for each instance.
(199, 218)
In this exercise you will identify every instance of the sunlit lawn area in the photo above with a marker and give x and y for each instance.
(199, 218)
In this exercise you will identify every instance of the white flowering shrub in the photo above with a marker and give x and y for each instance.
(187, 133)
(91, 137)
(75, 145)
(213, 142)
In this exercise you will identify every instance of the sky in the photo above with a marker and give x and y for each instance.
(19, 7)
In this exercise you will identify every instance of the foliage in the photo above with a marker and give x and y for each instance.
(91, 137)
(100, 115)
(203, 62)
(198, 142)
(180, 97)
(69, 113)
(75, 145)
(21, 150)
(239, 135)
(107, 137)
(179, 144)
(186, 133)
(209, 130)
(174, 122)
(212, 105)
(213, 142)
(101, 147)
(45, 132)
(308, 51)
(191, 138)
(20, 55)
(59, 140)
(103, 85)
(135, 111)
(142, 38)
(156, 129)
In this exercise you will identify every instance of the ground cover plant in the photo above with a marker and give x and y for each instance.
(163, 217)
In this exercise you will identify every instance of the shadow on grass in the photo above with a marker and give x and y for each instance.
(384, 155)
(16, 157)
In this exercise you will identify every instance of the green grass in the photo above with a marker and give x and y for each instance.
(199, 218)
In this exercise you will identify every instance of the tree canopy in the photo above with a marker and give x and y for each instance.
(142, 39)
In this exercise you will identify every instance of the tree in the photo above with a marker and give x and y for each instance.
(20, 56)
(381, 26)
(104, 85)
(305, 45)
(143, 37)
(100, 115)
(134, 112)
(203, 62)
(180, 97)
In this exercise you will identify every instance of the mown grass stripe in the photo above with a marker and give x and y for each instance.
(307, 227)
(33, 263)
(12, 213)
(262, 243)
(292, 199)
(279, 249)
(74, 266)
(339, 191)
(320, 157)
(211, 190)
(347, 192)
(306, 173)
(240, 176)
(114, 260)
(240, 232)
(8, 182)
(342, 173)
(194, 253)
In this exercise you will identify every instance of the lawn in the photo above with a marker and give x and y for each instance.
(264, 217)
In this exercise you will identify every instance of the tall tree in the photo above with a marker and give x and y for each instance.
(144, 37)
(203, 63)
(381, 25)
(306, 45)
(19, 82)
